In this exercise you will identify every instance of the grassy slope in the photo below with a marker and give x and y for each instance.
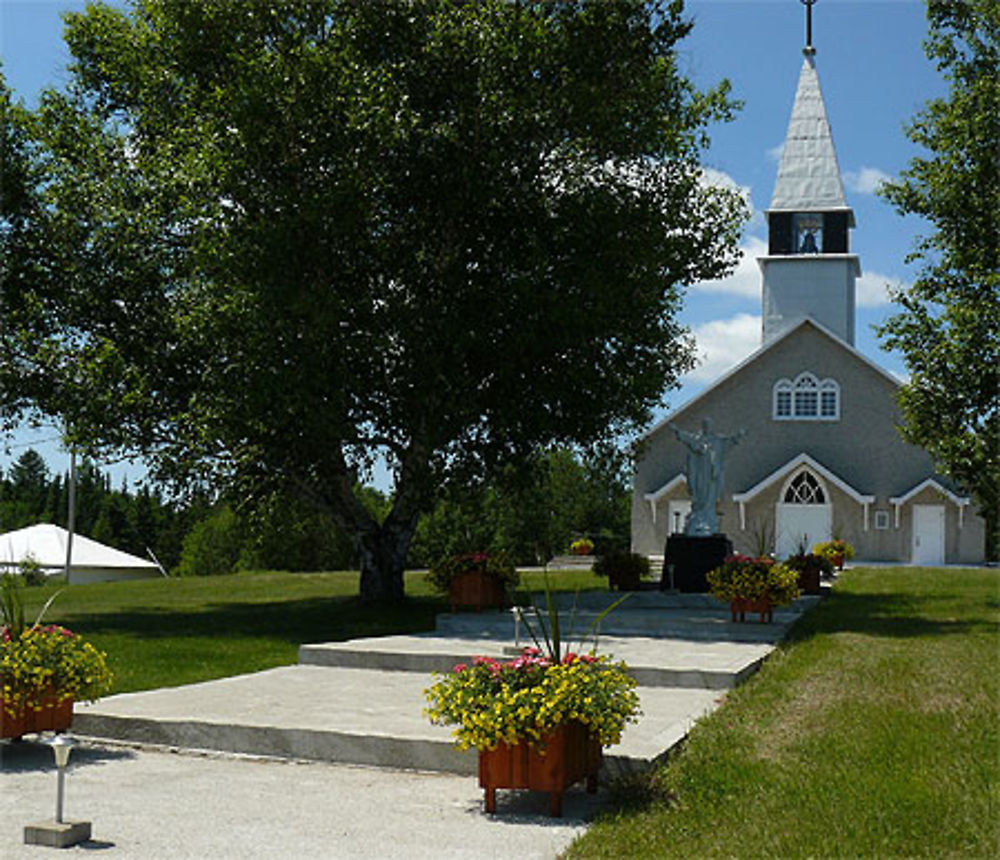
(873, 733)
(167, 632)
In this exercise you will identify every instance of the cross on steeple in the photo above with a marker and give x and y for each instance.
(809, 49)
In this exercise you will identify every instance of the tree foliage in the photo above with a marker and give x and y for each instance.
(532, 513)
(277, 241)
(949, 327)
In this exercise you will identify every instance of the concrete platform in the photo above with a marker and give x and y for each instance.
(350, 716)
(361, 702)
(653, 661)
(654, 614)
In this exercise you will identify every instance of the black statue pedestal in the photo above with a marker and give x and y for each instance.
(692, 557)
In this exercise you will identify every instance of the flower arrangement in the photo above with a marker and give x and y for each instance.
(836, 551)
(49, 661)
(497, 566)
(582, 546)
(527, 698)
(44, 662)
(742, 578)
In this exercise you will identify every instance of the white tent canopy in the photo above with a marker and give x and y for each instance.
(91, 562)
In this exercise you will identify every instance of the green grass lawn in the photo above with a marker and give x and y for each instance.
(873, 733)
(167, 632)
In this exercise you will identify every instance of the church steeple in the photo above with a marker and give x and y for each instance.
(809, 270)
(808, 176)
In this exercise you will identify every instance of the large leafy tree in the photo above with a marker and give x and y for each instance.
(949, 328)
(277, 241)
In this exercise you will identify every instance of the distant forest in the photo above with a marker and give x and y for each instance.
(534, 517)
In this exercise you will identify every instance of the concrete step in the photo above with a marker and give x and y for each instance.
(353, 716)
(361, 702)
(706, 622)
(654, 662)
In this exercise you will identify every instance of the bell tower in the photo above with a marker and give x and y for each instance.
(809, 270)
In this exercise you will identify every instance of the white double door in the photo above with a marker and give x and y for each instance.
(801, 525)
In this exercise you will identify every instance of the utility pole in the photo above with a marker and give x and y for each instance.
(71, 513)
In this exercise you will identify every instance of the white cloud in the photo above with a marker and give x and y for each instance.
(745, 280)
(873, 289)
(721, 344)
(774, 153)
(866, 180)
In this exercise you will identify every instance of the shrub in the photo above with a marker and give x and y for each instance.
(623, 569)
(31, 571)
(213, 546)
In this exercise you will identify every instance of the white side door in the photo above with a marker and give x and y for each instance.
(928, 535)
(797, 525)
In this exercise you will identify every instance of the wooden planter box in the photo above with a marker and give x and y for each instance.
(571, 753)
(50, 718)
(739, 606)
(477, 590)
(809, 580)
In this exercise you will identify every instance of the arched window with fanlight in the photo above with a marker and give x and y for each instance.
(804, 489)
(806, 398)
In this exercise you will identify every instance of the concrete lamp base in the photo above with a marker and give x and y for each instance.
(57, 834)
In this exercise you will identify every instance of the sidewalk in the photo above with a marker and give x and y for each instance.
(148, 805)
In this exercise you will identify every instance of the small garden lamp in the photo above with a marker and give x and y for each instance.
(62, 746)
(60, 834)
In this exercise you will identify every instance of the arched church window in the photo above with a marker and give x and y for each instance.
(806, 396)
(783, 399)
(806, 399)
(804, 489)
(829, 399)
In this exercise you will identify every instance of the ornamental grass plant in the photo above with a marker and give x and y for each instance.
(740, 577)
(527, 698)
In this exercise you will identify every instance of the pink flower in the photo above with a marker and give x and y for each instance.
(459, 668)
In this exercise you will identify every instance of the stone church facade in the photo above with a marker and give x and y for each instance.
(822, 456)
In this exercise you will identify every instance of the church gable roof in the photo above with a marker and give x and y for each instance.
(808, 176)
(808, 323)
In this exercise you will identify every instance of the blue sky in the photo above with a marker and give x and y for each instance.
(874, 77)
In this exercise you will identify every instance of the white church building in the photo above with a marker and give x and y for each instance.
(822, 456)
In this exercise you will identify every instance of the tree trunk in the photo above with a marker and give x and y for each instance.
(383, 558)
(382, 547)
